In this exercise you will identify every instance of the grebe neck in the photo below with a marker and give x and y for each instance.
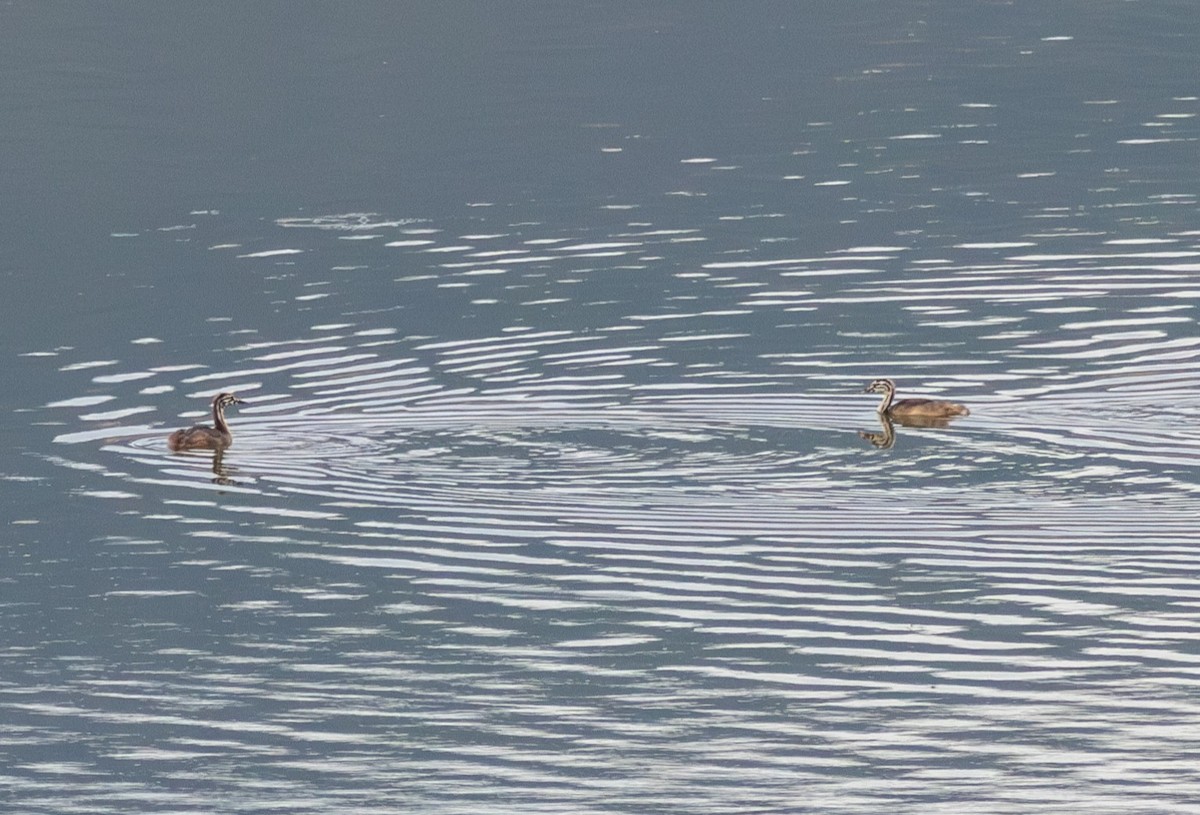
(219, 418)
(889, 394)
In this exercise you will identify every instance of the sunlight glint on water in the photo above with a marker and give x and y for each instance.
(556, 488)
(529, 521)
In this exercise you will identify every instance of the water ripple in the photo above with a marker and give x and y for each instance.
(526, 554)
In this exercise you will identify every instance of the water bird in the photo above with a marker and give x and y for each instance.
(202, 437)
(916, 411)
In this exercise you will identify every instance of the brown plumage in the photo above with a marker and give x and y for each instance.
(202, 437)
(912, 408)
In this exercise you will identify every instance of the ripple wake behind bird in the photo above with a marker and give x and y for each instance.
(543, 545)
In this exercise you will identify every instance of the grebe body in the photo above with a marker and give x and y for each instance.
(901, 409)
(202, 437)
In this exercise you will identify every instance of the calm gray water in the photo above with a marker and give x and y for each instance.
(556, 489)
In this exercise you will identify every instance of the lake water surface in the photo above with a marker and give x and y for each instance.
(556, 489)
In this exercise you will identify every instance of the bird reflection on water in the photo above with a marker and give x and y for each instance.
(886, 437)
(220, 471)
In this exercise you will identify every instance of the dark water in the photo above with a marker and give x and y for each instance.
(555, 489)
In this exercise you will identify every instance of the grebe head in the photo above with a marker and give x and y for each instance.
(225, 399)
(881, 386)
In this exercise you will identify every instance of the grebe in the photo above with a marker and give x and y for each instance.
(202, 437)
(913, 409)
